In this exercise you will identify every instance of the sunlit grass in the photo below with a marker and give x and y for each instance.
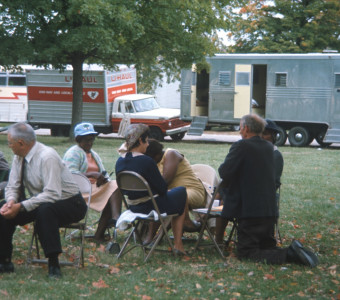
(309, 212)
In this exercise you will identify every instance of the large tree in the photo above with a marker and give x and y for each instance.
(155, 35)
(286, 26)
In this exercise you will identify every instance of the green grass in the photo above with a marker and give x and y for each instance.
(309, 212)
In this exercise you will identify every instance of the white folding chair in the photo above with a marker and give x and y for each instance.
(132, 181)
(85, 188)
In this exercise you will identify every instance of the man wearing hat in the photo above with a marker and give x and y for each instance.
(269, 134)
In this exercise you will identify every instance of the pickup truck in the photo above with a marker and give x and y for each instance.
(143, 108)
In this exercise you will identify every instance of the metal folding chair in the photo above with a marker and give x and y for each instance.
(205, 215)
(132, 181)
(85, 187)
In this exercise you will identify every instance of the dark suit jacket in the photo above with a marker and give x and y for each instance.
(248, 172)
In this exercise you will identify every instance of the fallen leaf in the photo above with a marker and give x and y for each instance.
(319, 236)
(269, 276)
(99, 284)
(92, 258)
(114, 270)
(198, 286)
(101, 248)
(145, 297)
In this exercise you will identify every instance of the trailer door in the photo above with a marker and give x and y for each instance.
(242, 97)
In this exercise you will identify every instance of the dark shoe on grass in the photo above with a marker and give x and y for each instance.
(303, 255)
(54, 272)
(6, 267)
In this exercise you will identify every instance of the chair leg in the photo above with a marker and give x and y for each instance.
(163, 231)
(132, 232)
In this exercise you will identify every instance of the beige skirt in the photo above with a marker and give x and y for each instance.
(101, 195)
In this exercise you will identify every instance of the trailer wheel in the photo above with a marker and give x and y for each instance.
(281, 137)
(156, 133)
(298, 136)
(177, 136)
(60, 131)
(319, 138)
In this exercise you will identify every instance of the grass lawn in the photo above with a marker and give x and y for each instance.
(310, 198)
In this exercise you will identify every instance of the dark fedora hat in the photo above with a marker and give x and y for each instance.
(271, 125)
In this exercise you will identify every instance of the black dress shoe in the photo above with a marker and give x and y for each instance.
(54, 272)
(304, 256)
(6, 267)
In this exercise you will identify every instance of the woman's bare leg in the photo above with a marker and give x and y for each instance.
(177, 229)
(111, 210)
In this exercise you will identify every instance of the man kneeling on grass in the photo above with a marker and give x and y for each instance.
(250, 198)
(54, 199)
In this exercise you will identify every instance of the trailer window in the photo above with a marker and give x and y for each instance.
(17, 81)
(281, 79)
(224, 78)
(2, 80)
(242, 78)
(337, 80)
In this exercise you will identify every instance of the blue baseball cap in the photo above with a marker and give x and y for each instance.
(84, 129)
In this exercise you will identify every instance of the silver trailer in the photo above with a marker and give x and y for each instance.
(300, 92)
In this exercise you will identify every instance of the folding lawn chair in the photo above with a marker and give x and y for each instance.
(205, 215)
(132, 181)
(85, 187)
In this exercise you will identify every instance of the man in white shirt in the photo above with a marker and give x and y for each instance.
(54, 199)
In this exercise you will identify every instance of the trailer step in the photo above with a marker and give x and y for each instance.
(333, 134)
(197, 125)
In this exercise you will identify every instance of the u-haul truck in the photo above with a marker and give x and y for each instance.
(108, 98)
(13, 96)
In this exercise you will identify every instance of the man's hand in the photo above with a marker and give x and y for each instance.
(10, 209)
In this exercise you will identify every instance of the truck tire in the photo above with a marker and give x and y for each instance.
(319, 138)
(60, 131)
(156, 133)
(281, 137)
(177, 136)
(299, 137)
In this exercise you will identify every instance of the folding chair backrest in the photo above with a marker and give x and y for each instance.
(132, 181)
(206, 173)
(209, 178)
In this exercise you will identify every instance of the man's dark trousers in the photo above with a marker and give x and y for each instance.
(48, 217)
(255, 241)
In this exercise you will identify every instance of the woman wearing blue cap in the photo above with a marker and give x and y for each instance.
(105, 198)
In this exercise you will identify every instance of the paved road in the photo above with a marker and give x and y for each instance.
(207, 136)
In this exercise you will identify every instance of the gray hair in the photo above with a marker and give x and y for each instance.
(22, 131)
(254, 122)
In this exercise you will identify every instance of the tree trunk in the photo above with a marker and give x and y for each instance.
(77, 88)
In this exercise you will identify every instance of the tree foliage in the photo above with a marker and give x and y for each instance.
(286, 26)
(155, 35)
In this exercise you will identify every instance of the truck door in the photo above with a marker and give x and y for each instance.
(188, 79)
(242, 97)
